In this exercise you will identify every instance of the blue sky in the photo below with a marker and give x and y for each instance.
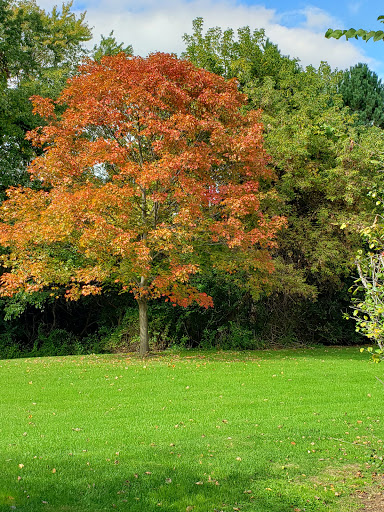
(297, 27)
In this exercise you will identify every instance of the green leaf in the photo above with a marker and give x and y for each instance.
(369, 35)
(334, 33)
(361, 32)
(378, 35)
(329, 33)
(350, 33)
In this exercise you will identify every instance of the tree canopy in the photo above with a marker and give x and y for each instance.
(156, 177)
(39, 50)
(363, 93)
(151, 173)
(323, 160)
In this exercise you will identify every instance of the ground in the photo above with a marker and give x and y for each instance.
(373, 501)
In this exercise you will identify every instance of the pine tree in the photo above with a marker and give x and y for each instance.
(363, 93)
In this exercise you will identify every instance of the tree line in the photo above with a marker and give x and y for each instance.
(248, 194)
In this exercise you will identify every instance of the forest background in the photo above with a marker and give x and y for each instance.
(323, 131)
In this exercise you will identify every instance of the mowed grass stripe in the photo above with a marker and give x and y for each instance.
(255, 431)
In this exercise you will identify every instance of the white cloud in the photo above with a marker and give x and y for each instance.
(318, 19)
(311, 47)
(161, 25)
(158, 25)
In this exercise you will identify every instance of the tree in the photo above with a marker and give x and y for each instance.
(249, 57)
(369, 310)
(363, 93)
(368, 299)
(324, 169)
(39, 50)
(109, 46)
(34, 40)
(151, 175)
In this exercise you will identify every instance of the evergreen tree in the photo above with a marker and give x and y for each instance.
(363, 93)
(109, 46)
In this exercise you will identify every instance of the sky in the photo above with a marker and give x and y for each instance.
(297, 27)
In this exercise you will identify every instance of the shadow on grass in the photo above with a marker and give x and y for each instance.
(176, 488)
(332, 352)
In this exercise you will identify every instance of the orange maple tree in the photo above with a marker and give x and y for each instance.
(151, 173)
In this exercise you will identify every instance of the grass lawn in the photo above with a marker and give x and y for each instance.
(269, 431)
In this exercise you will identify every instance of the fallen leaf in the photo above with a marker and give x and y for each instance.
(54, 470)
(199, 483)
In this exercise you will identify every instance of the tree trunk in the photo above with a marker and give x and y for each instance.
(143, 322)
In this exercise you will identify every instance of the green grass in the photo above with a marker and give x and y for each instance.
(271, 431)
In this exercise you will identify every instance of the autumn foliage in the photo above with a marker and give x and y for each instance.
(151, 174)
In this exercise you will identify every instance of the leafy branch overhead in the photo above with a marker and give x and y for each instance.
(366, 35)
